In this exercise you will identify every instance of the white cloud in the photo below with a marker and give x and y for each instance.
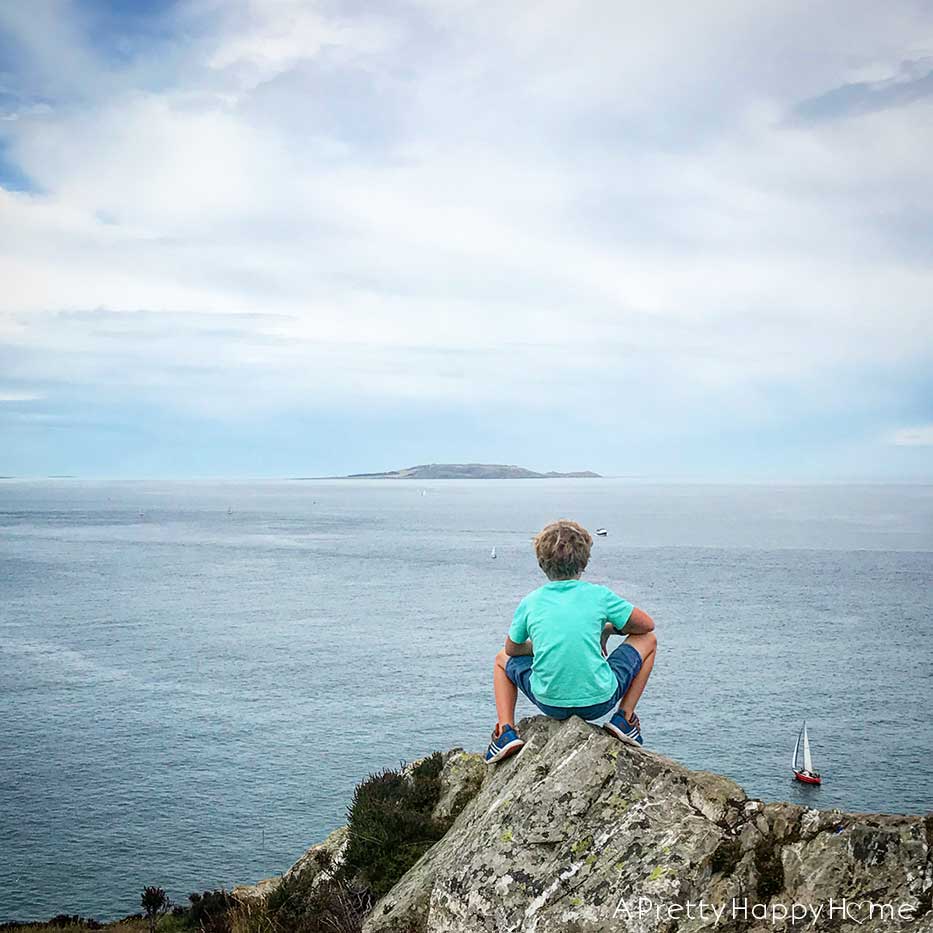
(265, 38)
(921, 436)
(452, 203)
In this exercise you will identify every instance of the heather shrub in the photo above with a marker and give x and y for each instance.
(210, 912)
(390, 824)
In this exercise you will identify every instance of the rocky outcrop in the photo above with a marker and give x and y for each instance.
(582, 833)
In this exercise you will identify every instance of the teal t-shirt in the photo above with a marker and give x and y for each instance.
(564, 620)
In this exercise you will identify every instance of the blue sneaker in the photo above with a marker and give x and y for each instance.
(628, 730)
(504, 742)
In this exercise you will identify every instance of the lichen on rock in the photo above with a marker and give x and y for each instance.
(578, 832)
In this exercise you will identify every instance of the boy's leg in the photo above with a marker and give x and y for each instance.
(647, 646)
(506, 692)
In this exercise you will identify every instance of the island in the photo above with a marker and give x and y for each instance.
(470, 471)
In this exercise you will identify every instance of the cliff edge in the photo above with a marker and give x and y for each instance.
(580, 832)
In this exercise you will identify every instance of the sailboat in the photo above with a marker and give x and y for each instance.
(803, 763)
(492, 553)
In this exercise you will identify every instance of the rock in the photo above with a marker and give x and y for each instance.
(251, 893)
(320, 859)
(583, 833)
(461, 778)
(324, 855)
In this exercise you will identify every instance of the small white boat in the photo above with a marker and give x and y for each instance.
(803, 763)
(602, 532)
(492, 553)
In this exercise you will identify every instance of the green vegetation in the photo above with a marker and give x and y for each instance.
(311, 903)
(154, 903)
(209, 912)
(582, 845)
(390, 825)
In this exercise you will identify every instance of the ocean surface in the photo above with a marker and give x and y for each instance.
(193, 676)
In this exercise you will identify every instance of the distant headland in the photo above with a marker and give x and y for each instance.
(469, 471)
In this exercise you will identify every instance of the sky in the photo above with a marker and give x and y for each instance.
(270, 238)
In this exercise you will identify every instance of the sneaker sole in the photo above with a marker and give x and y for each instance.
(621, 736)
(506, 751)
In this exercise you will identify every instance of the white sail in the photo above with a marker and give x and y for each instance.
(807, 761)
(492, 553)
(793, 763)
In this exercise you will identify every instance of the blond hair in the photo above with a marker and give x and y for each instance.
(563, 549)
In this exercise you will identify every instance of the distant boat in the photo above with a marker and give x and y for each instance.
(424, 492)
(492, 553)
(803, 763)
(602, 532)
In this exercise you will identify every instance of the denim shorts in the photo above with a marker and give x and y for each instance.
(625, 662)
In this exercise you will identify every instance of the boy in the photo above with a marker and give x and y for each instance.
(568, 622)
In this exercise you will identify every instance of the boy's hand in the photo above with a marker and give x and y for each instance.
(608, 629)
(639, 623)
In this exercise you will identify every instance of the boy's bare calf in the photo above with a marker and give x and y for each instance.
(646, 644)
(506, 692)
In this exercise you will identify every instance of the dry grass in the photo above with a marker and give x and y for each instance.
(129, 925)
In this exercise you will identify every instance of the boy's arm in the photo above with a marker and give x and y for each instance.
(639, 623)
(516, 649)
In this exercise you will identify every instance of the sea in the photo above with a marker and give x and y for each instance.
(194, 675)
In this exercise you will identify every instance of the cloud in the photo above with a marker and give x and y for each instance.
(921, 436)
(264, 39)
(704, 214)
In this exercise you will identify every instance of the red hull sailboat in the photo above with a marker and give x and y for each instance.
(803, 763)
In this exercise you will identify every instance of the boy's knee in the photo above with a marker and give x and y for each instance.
(502, 659)
(645, 643)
